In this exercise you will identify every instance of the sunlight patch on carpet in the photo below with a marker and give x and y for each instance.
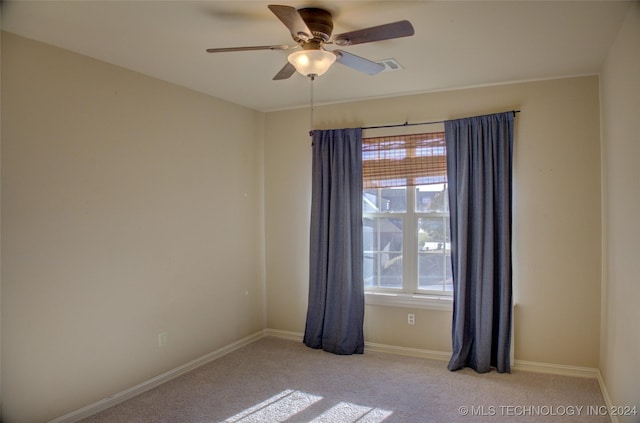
(289, 402)
(278, 408)
(348, 412)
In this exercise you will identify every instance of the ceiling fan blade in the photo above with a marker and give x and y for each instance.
(292, 20)
(285, 73)
(375, 33)
(358, 63)
(251, 48)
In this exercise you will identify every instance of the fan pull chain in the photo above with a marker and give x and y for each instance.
(311, 122)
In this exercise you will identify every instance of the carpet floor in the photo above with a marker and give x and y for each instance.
(276, 380)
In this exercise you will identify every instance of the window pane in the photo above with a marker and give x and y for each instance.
(434, 271)
(432, 234)
(370, 202)
(382, 241)
(434, 254)
(384, 200)
(432, 198)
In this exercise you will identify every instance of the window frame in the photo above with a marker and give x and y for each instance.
(409, 295)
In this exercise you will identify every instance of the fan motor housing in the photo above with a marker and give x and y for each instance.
(319, 21)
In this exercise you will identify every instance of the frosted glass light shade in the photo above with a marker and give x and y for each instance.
(312, 62)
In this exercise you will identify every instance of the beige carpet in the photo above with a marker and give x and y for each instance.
(275, 380)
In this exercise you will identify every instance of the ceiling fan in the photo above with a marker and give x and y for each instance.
(311, 29)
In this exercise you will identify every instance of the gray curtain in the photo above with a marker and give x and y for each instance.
(479, 168)
(335, 313)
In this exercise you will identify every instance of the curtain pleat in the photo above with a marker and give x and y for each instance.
(479, 168)
(335, 313)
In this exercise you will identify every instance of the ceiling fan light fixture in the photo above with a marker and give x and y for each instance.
(312, 62)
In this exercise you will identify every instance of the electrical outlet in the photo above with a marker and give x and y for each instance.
(163, 338)
(411, 319)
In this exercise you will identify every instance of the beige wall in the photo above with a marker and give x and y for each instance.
(556, 215)
(130, 207)
(620, 346)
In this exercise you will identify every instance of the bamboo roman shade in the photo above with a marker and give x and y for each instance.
(404, 160)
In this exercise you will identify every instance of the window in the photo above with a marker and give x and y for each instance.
(407, 249)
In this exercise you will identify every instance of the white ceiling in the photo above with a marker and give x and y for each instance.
(456, 43)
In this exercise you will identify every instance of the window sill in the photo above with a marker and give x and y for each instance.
(430, 302)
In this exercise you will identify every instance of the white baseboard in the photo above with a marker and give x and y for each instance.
(122, 396)
(284, 334)
(556, 369)
(369, 346)
(410, 352)
(607, 398)
(522, 365)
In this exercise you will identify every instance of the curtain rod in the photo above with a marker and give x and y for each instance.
(422, 123)
(426, 123)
